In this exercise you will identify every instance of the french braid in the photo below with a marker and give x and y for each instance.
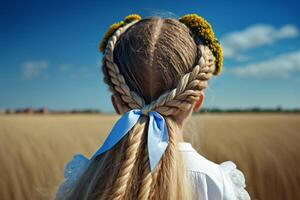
(118, 84)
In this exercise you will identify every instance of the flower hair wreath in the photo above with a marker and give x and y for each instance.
(198, 26)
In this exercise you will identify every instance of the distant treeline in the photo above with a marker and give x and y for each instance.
(47, 111)
(203, 110)
(250, 110)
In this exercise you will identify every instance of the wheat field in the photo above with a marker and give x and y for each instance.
(35, 148)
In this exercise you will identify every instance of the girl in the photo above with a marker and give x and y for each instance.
(157, 70)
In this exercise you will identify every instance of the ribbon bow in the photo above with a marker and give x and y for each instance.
(157, 134)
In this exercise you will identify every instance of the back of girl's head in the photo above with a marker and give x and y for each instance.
(151, 64)
(153, 54)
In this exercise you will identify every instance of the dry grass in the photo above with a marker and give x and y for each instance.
(34, 149)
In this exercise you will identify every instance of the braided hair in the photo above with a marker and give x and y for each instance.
(188, 89)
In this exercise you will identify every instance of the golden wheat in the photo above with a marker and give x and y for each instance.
(35, 148)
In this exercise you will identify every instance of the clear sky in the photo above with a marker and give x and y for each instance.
(49, 51)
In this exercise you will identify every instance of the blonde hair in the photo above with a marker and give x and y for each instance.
(151, 64)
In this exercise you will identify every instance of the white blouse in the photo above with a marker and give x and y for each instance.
(213, 181)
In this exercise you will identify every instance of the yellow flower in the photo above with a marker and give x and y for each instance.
(114, 27)
(132, 17)
(204, 31)
(108, 34)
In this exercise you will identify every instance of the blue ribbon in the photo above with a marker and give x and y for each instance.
(157, 134)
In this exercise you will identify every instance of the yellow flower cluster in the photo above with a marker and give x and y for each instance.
(115, 27)
(204, 31)
(132, 17)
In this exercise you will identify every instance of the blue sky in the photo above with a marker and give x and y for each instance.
(49, 51)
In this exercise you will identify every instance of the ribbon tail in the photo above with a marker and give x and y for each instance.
(158, 138)
(120, 129)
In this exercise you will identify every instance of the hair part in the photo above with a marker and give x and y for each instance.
(153, 54)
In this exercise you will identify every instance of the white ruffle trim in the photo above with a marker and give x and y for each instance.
(73, 170)
(237, 178)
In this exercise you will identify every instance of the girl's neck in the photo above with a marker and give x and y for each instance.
(180, 136)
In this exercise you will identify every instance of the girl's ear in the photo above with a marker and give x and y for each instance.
(115, 104)
(199, 103)
(119, 105)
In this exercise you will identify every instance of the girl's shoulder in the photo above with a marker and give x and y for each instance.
(213, 181)
(234, 180)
